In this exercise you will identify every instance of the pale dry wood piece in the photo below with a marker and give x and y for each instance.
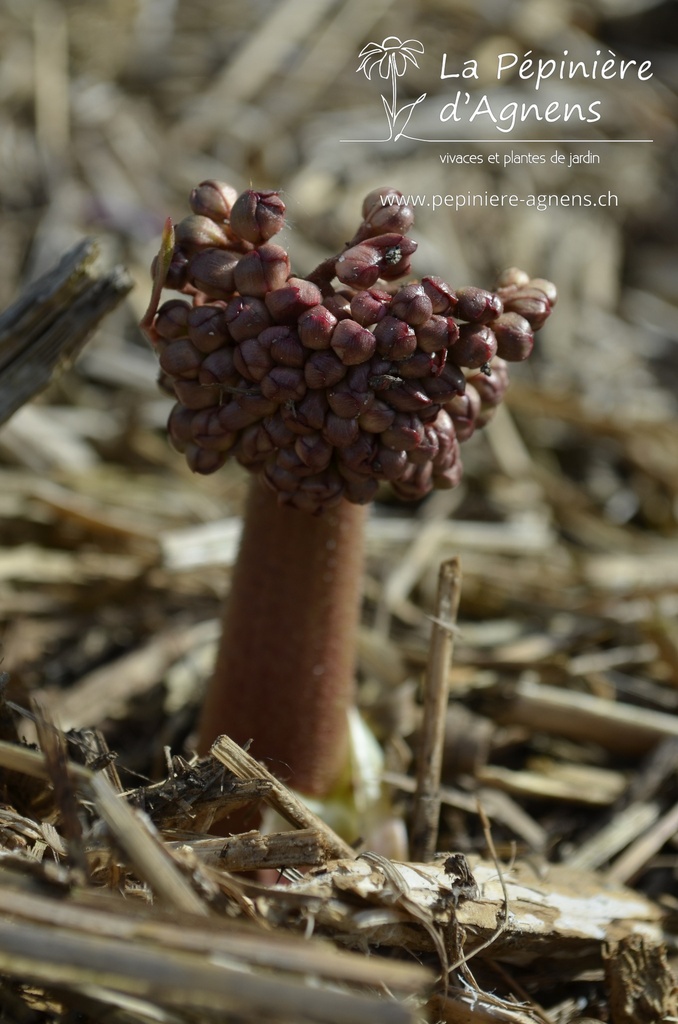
(241, 943)
(40, 443)
(280, 798)
(106, 691)
(557, 913)
(85, 511)
(642, 987)
(630, 863)
(44, 330)
(29, 563)
(475, 1007)
(252, 851)
(594, 787)
(184, 980)
(426, 810)
(622, 728)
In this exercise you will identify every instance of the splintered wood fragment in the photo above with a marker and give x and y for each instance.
(252, 851)
(57, 956)
(282, 799)
(642, 987)
(559, 913)
(475, 1007)
(426, 814)
(634, 859)
(596, 787)
(44, 330)
(622, 728)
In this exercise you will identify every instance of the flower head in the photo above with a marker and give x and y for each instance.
(390, 56)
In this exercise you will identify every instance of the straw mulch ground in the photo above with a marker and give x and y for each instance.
(556, 899)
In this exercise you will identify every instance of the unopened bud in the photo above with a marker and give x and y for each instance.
(475, 347)
(286, 348)
(181, 359)
(312, 409)
(323, 370)
(438, 333)
(339, 431)
(352, 343)
(314, 451)
(246, 317)
(464, 410)
(252, 358)
(384, 210)
(515, 339)
(284, 384)
(195, 232)
(339, 305)
(477, 305)
(448, 383)
(530, 303)
(241, 411)
(405, 433)
(389, 463)
(171, 320)
(278, 430)
(369, 307)
(512, 277)
(412, 305)
(262, 270)
(415, 483)
(346, 402)
(213, 271)
(179, 426)
(395, 338)
(376, 417)
(442, 297)
(219, 368)
(315, 327)
(287, 304)
(213, 199)
(202, 461)
(208, 432)
(196, 396)
(427, 449)
(257, 216)
(207, 328)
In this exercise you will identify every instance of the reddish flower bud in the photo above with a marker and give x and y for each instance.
(208, 432)
(201, 461)
(212, 272)
(339, 305)
(369, 307)
(475, 347)
(512, 277)
(352, 343)
(246, 317)
(530, 303)
(311, 411)
(464, 410)
(443, 299)
(315, 327)
(179, 427)
(412, 305)
(284, 384)
(419, 364)
(323, 370)
(358, 266)
(196, 396)
(257, 216)
(288, 303)
(314, 451)
(491, 388)
(384, 209)
(389, 464)
(438, 333)
(181, 359)
(278, 430)
(317, 492)
(395, 338)
(177, 272)
(477, 305)
(448, 383)
(547, 287)
(219, 368)
(339, 431)
(207, 328)
(346, 402)
(286, 348)
(405, 433)
(415, 483)
(195, 232)
(376, 417)
(262, 270)
(252, 358)
(240, 411)
(356, 458)
(407, 396)
(213, 199)
(427, 449)
(171, 320)
(253, 446)
(515, 339)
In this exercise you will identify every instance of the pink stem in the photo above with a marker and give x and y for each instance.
(284, 676)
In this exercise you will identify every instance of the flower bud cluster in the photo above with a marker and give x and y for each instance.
(328, 389)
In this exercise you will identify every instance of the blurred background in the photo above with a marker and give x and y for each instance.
(110, 112)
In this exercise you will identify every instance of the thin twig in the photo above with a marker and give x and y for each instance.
(436, 692)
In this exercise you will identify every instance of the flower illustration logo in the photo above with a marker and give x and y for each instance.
(390, 58)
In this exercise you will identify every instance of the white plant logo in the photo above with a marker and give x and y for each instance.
(390, 58)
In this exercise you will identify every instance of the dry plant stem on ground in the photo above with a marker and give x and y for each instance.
(284, 675)
(323, 388)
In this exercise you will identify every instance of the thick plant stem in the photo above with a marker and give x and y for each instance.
(284, 676)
